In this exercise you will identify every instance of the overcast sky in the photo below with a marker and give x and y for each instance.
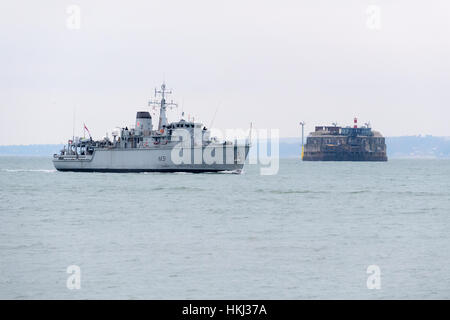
(274, 63)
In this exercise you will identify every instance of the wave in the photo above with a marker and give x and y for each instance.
(192, 173)
(356, 191)
(30, 170)
(180, 188)
(232, 172)
(38, 244)
(291, 191)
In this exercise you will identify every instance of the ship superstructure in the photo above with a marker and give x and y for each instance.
(181, 146)
(334, 143)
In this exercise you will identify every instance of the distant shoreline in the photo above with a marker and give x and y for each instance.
(403, 147)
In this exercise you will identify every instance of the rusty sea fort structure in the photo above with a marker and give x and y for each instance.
(334, 143)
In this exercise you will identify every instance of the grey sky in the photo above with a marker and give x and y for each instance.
(271, 62)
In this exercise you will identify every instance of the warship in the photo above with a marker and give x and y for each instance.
(181, 146)
(334, 143)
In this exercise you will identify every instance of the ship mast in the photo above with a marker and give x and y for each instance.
(162, 105)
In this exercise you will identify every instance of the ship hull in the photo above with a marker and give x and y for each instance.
(156, 159)
(193, 170)
(322, 156)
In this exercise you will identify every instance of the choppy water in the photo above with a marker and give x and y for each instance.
(309, 232)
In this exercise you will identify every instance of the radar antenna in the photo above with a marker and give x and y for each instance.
(162, 104)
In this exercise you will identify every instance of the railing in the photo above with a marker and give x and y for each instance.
(73, 157)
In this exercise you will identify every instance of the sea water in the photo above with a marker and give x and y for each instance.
(309, 232)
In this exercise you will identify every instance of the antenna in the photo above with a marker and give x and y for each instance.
(73, 124)
(182, 108)
(161, 103)
(249, 139)
(214, 116)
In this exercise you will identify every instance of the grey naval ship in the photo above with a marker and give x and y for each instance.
(181, 146)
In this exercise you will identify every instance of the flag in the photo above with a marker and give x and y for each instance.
(85, 128)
